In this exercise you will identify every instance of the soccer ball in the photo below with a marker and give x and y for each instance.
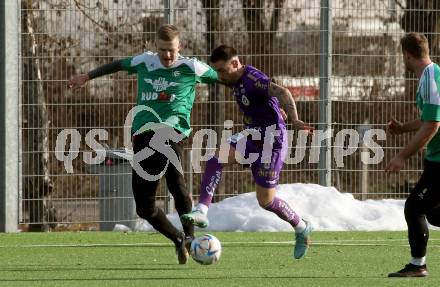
(206, 249)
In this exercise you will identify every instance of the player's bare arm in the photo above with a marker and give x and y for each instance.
(421, 138)
(395, 127)
(284, 114)
(286, 100)
(288, 104)
(81, 80)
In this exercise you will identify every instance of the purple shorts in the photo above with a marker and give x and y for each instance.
(266, 163)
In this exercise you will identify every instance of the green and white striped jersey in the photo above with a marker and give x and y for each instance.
(428, 102)
(166, 94)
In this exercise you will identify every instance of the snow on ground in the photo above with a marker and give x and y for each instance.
(325, 207)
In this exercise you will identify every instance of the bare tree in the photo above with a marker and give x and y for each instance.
(213, 24)
(216, 93)
(261, 33)
(37, 182)
(421, 16)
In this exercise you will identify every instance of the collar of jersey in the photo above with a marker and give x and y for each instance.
(156, 64)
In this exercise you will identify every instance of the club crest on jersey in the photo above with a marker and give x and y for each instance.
(245, 100)
(176, 74)
(160, 84)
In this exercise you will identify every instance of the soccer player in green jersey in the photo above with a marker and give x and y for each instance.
(166, 91)
(423, 203)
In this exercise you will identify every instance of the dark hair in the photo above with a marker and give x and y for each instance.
(416, 44)
(222, 53)
(167, 32)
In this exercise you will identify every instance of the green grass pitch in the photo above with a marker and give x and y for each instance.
(248, 259)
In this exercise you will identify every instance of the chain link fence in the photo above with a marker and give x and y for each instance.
(367, 86)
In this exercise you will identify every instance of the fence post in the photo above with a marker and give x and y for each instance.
(325, 108)
(9, 128)
(364, 159)
(364, 171)
(169, 200)
(169, 11)
(190, 174)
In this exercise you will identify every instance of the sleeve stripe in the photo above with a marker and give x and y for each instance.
(423, 87)
(200, 68)
(435, 96)
(142, 58)
(427, 88)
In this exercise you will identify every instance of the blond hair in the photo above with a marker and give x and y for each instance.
(416, 44)
(167, 32)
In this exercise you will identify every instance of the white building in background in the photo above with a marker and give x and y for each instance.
(83, 27)
(344, 88)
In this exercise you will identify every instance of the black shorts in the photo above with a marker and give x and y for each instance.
(157, 163)
(426, 194)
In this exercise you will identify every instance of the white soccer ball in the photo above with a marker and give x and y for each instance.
(206, 249)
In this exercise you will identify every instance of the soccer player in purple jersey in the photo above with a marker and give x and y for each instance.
(259, 100)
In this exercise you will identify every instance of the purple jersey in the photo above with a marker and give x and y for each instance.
(252, 96)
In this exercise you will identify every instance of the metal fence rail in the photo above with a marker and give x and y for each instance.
(345, 72)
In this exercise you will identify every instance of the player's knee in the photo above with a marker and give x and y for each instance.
(409, 206)
(263, 203)
(413, 208)
(183, 203)
(263, 200)
(177, 188)
(146, 211)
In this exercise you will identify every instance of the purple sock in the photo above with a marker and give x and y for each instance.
(211, 179)
(283, 210)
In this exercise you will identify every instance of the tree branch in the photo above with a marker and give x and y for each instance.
(78, 5)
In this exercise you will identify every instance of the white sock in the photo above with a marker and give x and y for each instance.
(203, 208)
(300, 227)
(419, 261)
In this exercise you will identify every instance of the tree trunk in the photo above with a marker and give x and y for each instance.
(37, 182)
(421, 16)
(216, 106)
(260, 40)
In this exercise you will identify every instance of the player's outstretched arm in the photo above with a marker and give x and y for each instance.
(395, 127)
(81, 80)
(288, 104)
